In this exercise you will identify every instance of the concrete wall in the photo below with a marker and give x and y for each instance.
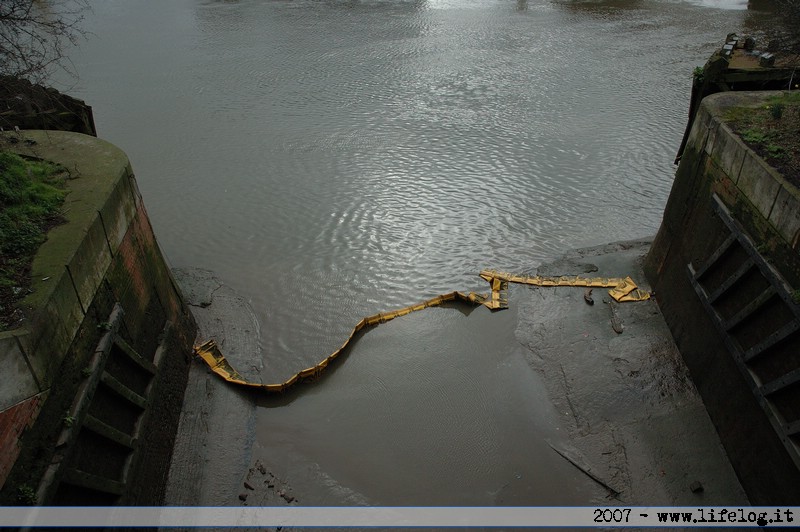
(105, 254)
(718, 336)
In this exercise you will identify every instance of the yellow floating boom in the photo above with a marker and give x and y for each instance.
(621, 290)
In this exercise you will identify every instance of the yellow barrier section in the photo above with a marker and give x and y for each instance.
(215, 360)
(621, 290)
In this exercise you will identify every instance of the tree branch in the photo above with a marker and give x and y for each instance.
(33, 34)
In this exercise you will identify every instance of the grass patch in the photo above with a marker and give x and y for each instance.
(773, 131)
(31, 195)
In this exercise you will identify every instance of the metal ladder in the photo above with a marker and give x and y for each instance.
(754, 310)
(97, 447)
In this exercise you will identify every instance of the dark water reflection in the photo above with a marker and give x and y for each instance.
(335, 159)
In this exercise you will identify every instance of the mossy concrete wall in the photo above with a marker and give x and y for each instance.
(766, 208)
(105, 253)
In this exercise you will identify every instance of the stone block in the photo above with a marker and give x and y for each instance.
(728, 152)
(785, 215)
(766, 60)
(700, 129)
(727, 50)
(758, 184)
(117, 212)
(713, 129)
(64, 298)
(51, 346)
(89, 263)
(18, 382)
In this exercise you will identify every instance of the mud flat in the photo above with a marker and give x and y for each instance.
(631, 419)
(634, 417)
(211, 461)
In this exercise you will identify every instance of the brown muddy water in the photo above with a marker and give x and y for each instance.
(333, 159)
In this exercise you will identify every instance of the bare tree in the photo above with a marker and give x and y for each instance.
(34, 34)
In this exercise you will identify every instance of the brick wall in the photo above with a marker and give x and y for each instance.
(14, 422)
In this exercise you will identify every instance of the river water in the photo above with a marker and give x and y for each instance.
(333, 159)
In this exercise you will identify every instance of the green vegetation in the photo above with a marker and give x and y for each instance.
(699, 74)
(767, 140)
(26, 496)
(31, 194)
(773, 131)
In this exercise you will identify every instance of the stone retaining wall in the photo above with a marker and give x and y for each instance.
(725, 266)
(105, 254)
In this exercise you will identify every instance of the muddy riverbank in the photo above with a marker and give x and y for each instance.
(211, 462)
(630, 409)
(628, 422)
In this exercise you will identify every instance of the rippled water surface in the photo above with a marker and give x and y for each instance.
(332, 159)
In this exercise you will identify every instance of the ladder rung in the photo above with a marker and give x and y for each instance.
(781, 382)
(108, 432)
(123, 391)
(136, 357)
(771, 340)
(83, 479)
(746, 266)
(719, 252)
(792, 428)
(749, 309)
